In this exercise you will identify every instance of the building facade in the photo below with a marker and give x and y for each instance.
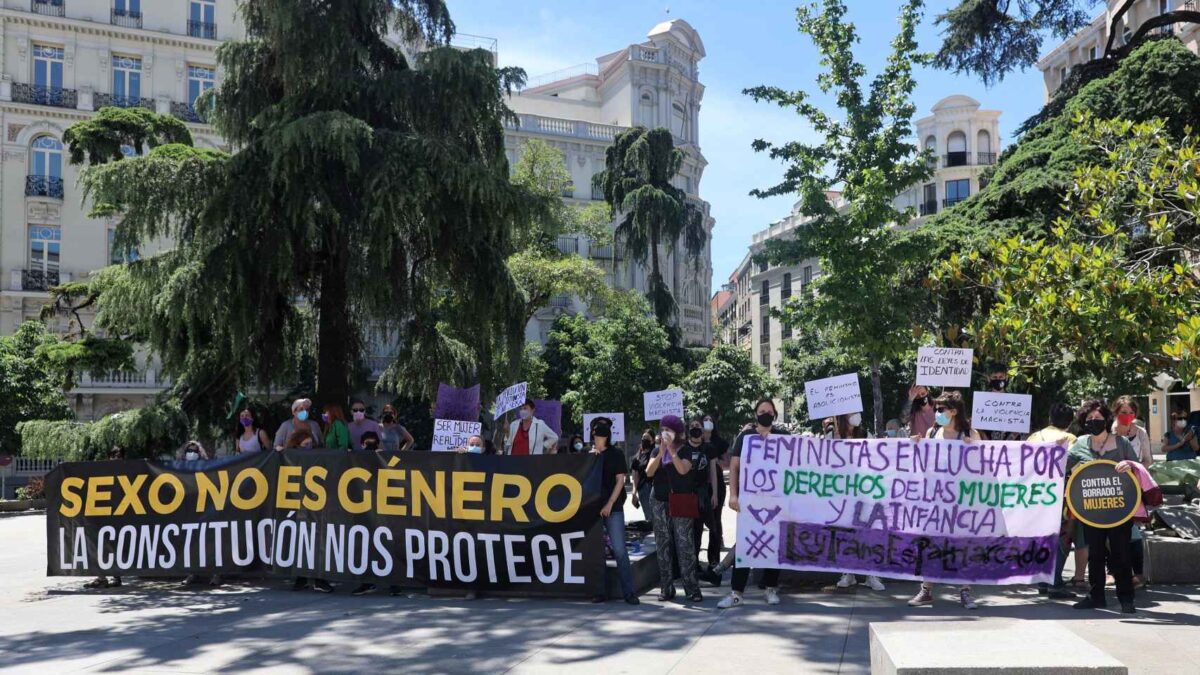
(964, 140)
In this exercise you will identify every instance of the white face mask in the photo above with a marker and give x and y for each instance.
(191, 456)
(475, 449)
(359, 416)
(855, 420)
(1180, 424)
(708, 425)
(668, 437)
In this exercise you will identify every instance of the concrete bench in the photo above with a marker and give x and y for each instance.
(985, 647)
(1172, 561)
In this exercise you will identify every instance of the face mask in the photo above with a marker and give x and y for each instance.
(998, 385)
(388, 418)
(475, 449)
(647, 443)
(1095, 427)
(695, 432)
(942, 419)
(855, 420)
(1180, 424)
(602, 430)
(302, 415)
(920, 401)
(578, 447)
(668, 437)
(891, 433)
(246, 421)
(524, 414)
(1126, 419)
(191, 456)
(765, 419)
(359, 416)
(708, 425)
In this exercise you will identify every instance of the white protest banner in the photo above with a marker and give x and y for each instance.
(1001, 412)
(658, 404)
(618, 426)
(832, 396)
(510, 399)
(453, 434)
(975, 513)
(944, 367)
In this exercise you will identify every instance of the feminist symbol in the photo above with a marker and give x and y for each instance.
(765, 516)
(759, 544)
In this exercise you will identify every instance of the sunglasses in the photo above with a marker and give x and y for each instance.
(940, 409)
(358, 410)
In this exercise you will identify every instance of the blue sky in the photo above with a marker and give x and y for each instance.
(748, 43)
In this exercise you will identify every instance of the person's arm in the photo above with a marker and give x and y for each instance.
(735, 465)
(713, 472)
(550, 441)
(683, 466)
(1147, 452)
(281, 437)
(655, 462)
(618, 488)
(264, 440)
(634, 480)
(406, 439)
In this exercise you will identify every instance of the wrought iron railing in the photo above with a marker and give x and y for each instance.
(126, 18)
(986, 157)
(185, 112)
(118, 101)
(44, 95)
(39, 280)
(44, 186)
(928, 208)
(49, 7)
(956, 159)
(202, 29)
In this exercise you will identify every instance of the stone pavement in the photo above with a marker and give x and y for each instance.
(52, 625)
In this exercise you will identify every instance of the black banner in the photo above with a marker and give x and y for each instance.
(414, 518)
(1100, 496)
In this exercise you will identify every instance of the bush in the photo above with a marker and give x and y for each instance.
(55, 439)
(143, 433)
(34, 489)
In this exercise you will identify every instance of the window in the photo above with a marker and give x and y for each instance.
(48, 66)
(764, 296)
(202, 19)
(127, 6)
(127, 80)
(957, 190)
(983, 147)
(762, 266)
(786, 290)
(1062, 74)
(765, 360)
(200, 80)
(47, 157)
(117, 257)
(956, 149)
(929, 199)
(45, 243)
(1164, 6)
(806, 279)
(1092, 53)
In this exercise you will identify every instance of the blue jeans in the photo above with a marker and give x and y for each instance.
(645, 494)
(615, 525)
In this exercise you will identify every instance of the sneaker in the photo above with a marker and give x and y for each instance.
(696, 596)
(322, 586)
(395, 591)
(1061, 594)
(471, 595)
(632, 600)
(847, 581)
(965, 599)
(189, 580)
(875, 584)
(597, 599)
(216, 580)
(1089, 603)
(772, 596)
(115, 583)
(923, 597)
(1127, 607)
(363, 589)
(734, 599)
(299, 584)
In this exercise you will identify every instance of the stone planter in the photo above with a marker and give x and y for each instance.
(14, 505)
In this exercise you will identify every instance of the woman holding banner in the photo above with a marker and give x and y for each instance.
(676, 507)
(950, 423)
(764, 425)
(612, 514)
(850, 427)
(642, 484)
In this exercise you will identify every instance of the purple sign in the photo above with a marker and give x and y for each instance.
(549, 412)
(457, 404)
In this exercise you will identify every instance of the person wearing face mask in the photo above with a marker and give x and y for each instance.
(950, 424)
(1125, 410)
(764, 425)
(704, 471)
(675, 508)
(474, 446)
(191, 451)
(393, 437)
(1180, 442)
(612, 514)
(360, 424)
(337, 434)
(248, 435)
(850, 427)
(892, 429)
(642, 485)
(718, 462)
(576, 443)
(1106, 546)
(301, 408)
(528, 435)
(998, 378)
(919, 414)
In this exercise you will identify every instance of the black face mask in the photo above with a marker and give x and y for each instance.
(1095, 427)
(921, 402)
(998, 385)
(602, 430)
(647, 443)
(696, 432)
(765, 419)
(388, 418)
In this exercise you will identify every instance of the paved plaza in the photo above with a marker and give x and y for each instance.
(53, 625)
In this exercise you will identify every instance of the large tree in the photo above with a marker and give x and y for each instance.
(365, 188)
(866, 152)
(651, 212)
(30, 385)
(726, 385)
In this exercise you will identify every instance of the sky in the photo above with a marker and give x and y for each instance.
(748, 43)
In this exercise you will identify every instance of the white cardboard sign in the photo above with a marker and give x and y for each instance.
(618, 426)
(991, 411)
(510, 399)
(832, 396)
(450, 435)
(658, 404)
(944, 367)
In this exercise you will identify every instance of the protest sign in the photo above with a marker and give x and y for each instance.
(446, 519)
(658, 404)
(510, 399)
(832, 396)
(457, 404)
(453, 434)
(1100, 496)
(936, 510)
(618, 426)
(549, 412)
(1001, 412)
(944, 367)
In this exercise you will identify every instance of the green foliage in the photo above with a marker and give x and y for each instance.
(726, 385)
(66, 440)
(34, 489)
(150, 432)
(101, 138)
(30, 386)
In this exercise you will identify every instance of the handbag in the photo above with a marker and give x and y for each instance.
(683, 505)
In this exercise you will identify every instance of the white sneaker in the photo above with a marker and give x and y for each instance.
(734, 599)
(875, 584)
(847, 581)
(772, 596)
(923, 597)
(965, 599)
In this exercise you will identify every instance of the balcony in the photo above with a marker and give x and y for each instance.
(202, 29)
(605, 252)
(44, 186)
(125, 18)
(557, 126)
(117, 101)
(42, 95)
(568, 245)
(956, 159)
(985, 158)
(185, 112)
(947, 203)
(39, 280)
(928, 208)
(49, 7)
(597, 193)
(148, 379)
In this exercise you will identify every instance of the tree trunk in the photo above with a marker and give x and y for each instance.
(335, 338)
(877, 396)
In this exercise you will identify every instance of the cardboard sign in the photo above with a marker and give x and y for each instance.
(832, 396)
(618, 426)
(991, 411)
(659, 404)
(510, 399)
(549, 412)
(1100, 496)
(457, 404)
(450, 435)
(944, 367)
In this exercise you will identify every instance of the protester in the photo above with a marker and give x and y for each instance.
(612, 514)
(1125, 410)
(919, 414)
(704, 471)
(1180, 442)
(299, 420)
(474, 446)
(303, 438)
(1110, 545)
(248, 435)
(828, 427)
(529, 435)
(718, 462)
(392, 435)
(892, 429)
(675, 508)
(191, 451)
(1056, 432)
(300, 439)
(115, 454)
(642, 484)
(850, 427)
(764, 425)
(950, 423)
(369, 441)
(337, 434)
(359, 424)
(576, 443)
(998, 378)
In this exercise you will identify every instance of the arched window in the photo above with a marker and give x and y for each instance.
(45, 168)
(956, 149)
(983, 147)
(678, 120)
(931, 142)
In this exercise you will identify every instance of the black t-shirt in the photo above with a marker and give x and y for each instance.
(668, 480)
(718, 442)
(638, 466)
(614, 463)
(735, 450)
(706, 453)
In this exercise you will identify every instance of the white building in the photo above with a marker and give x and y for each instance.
(964, 139)
(654, 83)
